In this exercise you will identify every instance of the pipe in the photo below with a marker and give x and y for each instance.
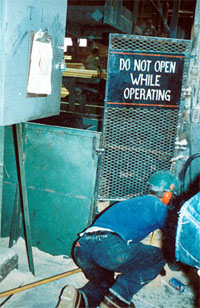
(152, 237)
(39, 283)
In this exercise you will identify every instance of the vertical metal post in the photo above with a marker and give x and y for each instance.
(191, 127)
(117, 5)
(174, 18)
(17, 134)
(135, 14)
(197, 25)
(194, 81)
(16, 219)
(1, 168)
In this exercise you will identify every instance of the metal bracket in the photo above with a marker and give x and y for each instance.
(187, 92)
(99, 151)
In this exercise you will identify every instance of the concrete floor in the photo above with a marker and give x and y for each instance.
(157, 294)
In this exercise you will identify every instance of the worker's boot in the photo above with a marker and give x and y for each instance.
(112, 301)
(70, 297)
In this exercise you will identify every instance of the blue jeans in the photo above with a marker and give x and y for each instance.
(100, 256)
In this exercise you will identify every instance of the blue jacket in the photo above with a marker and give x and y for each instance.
(135, 218)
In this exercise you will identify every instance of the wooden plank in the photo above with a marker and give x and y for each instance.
(75, 72)
(64, 92)
(83, 73)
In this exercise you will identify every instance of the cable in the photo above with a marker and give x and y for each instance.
(183, 172)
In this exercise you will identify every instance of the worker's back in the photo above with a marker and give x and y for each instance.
(135, 218)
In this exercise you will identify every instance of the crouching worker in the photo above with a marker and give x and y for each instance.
(112, 244)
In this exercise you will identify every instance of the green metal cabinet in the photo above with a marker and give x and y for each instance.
(60, 166)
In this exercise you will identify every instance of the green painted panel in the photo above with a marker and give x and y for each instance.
(10, 173)
(60, 160)
(56, 220)
(9, 181)
(8, 200)
(60, 166)
(1, 168)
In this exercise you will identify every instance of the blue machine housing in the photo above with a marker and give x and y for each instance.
(18, 21)
(188, 232)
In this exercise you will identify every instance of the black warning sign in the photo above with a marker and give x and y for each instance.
(148, 79)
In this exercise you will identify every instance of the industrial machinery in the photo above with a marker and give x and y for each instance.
(32, 48)
(150, 122)
(18, 52)
(143, 111)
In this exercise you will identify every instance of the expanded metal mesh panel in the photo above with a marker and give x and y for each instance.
(139, 43)
(137, 141)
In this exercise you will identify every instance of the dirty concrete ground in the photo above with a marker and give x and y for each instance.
(157, 294)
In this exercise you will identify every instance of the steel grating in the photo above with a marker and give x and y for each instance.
(138, 141)
(142, 43)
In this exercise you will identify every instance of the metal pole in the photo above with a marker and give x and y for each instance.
(17, 135)
(16, 219)
(135, 14)
(39, 283)
(194, 86)
(197, 13)
(174, 18)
